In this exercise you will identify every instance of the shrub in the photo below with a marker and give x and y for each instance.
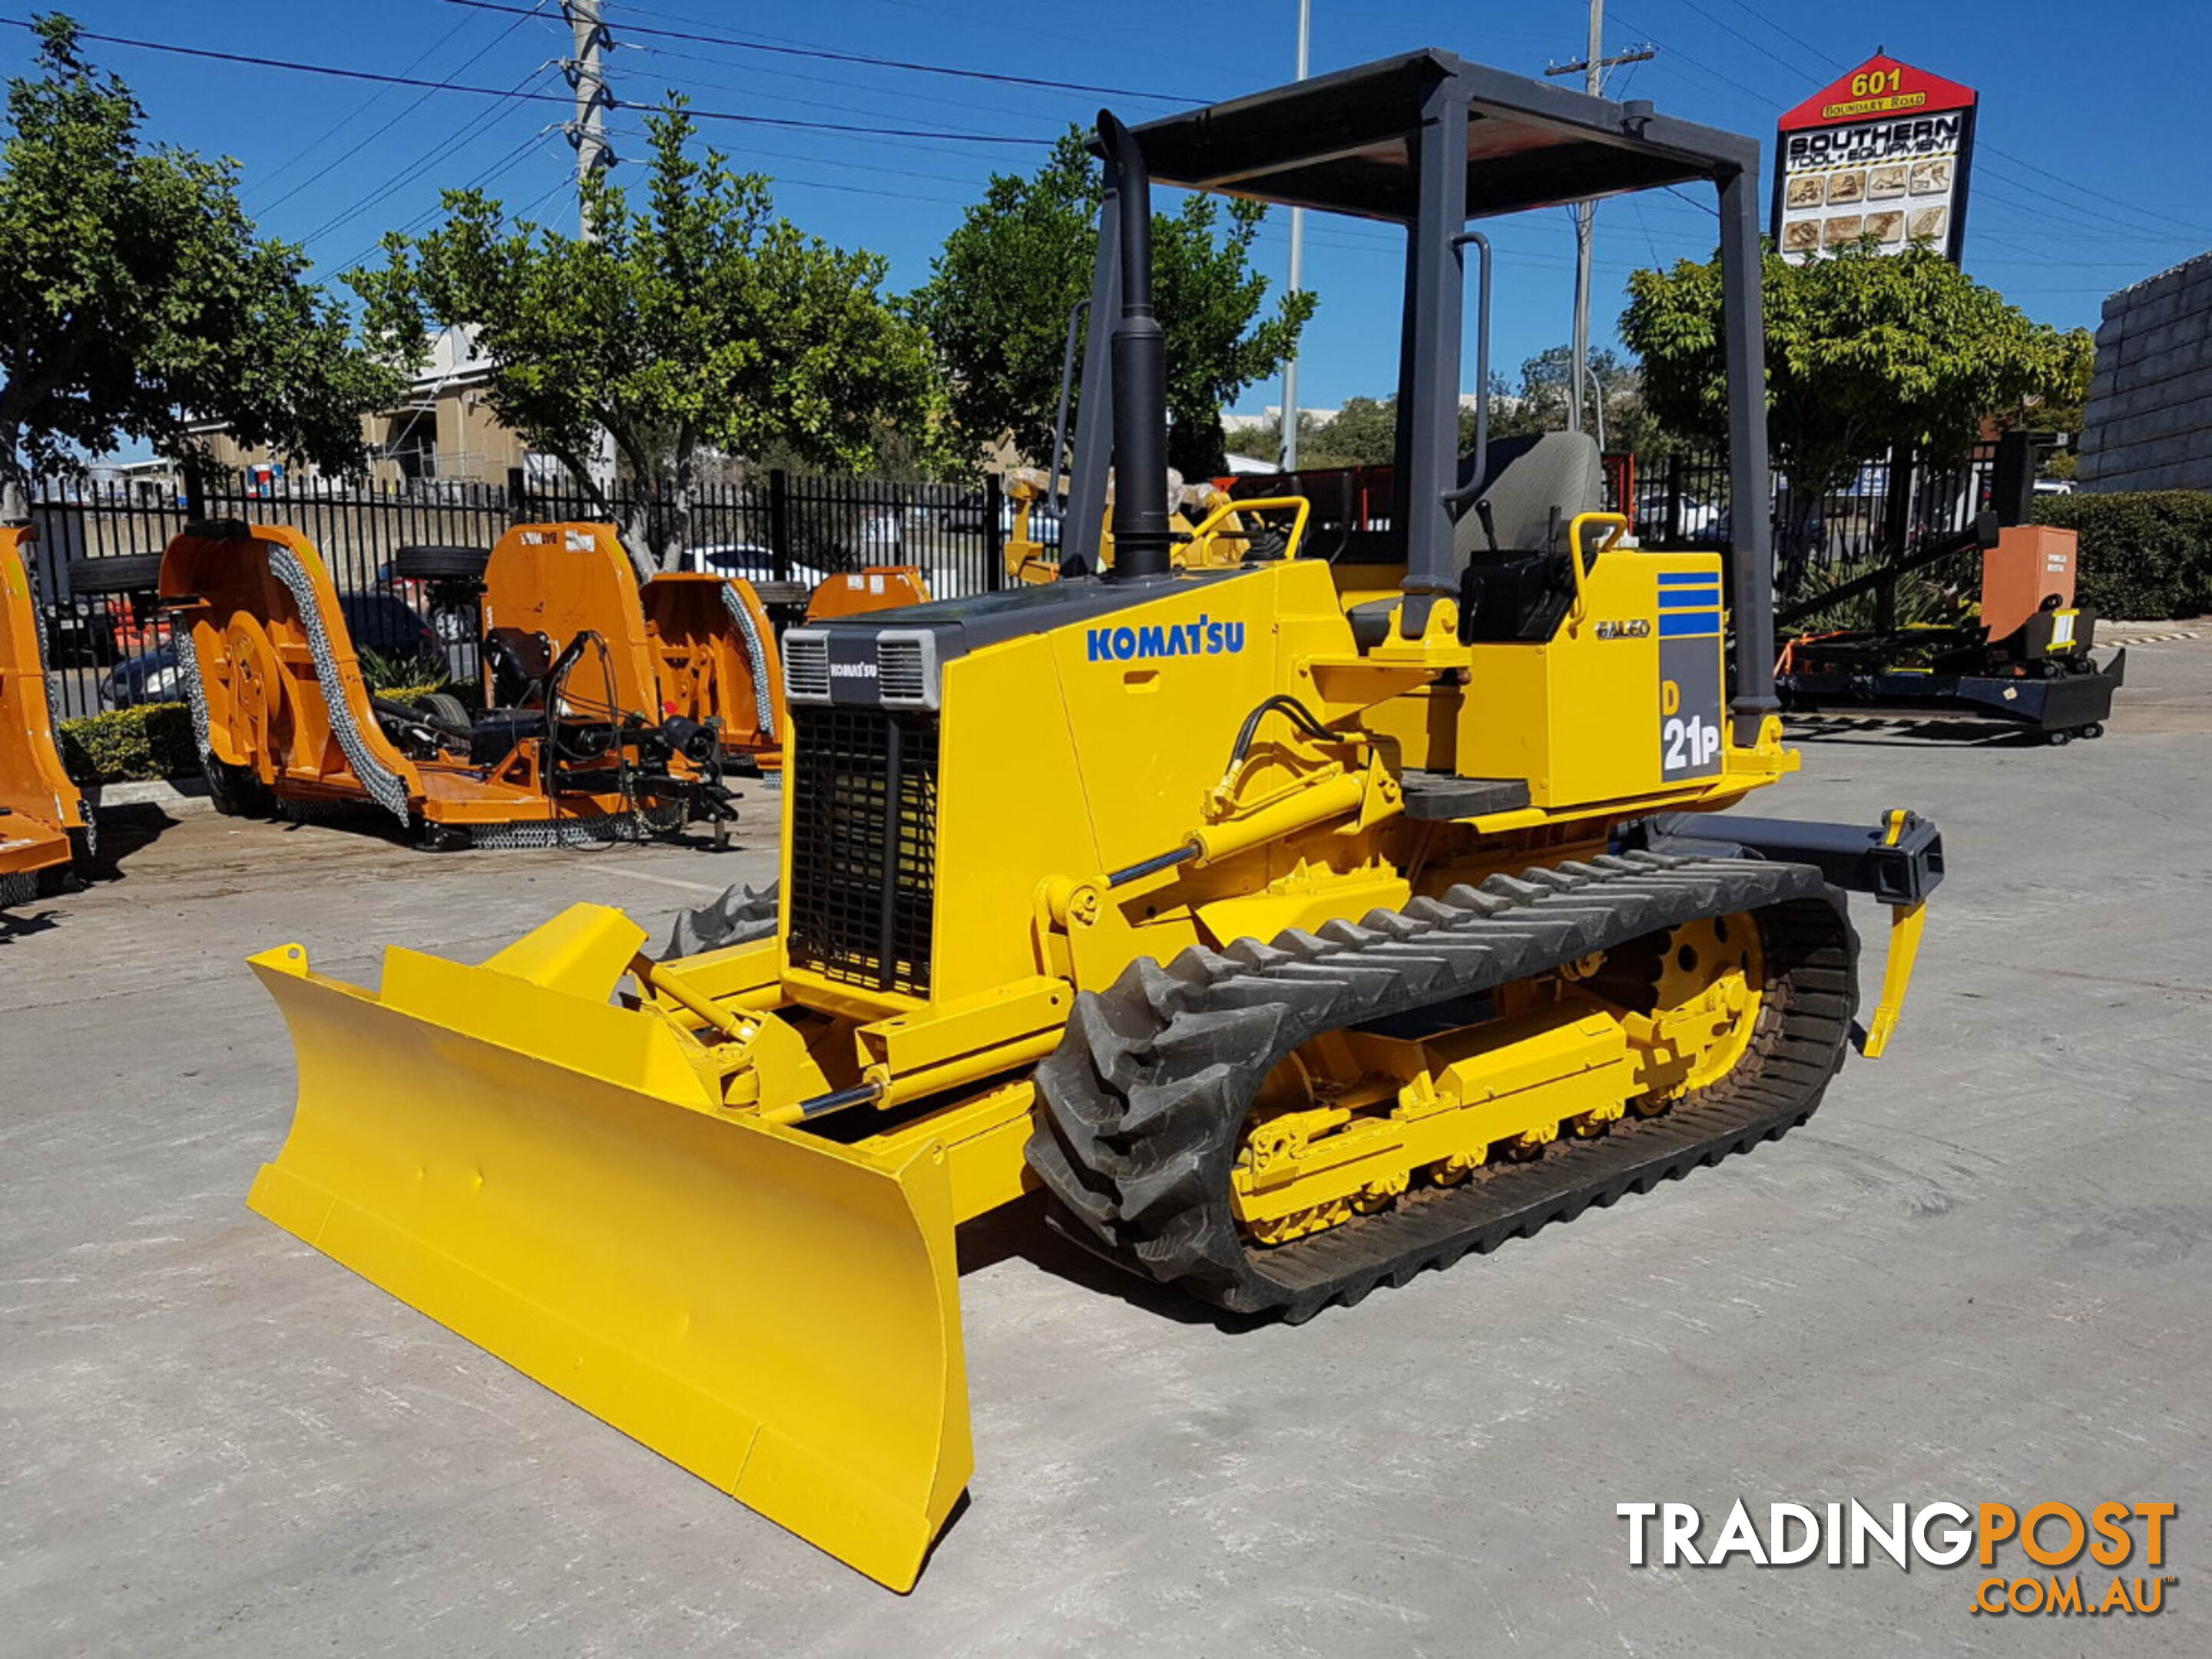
(1934, 593)
(126, 745)
(2144, 554)
(151, 740)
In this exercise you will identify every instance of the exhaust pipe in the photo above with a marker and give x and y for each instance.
(1140, 390)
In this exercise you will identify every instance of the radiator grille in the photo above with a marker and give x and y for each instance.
(900, 675)
(805, 665)
(863, 845)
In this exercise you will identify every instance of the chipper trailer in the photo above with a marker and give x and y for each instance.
(569, 745)
(2021, 658)
(1289, 926)
(2017, 655)
(44, 824)
(707, 638)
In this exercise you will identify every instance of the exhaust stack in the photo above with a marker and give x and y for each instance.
(1140, 397)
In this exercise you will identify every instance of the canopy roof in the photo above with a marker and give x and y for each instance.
(1342, 143)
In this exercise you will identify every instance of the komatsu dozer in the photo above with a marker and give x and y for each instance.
(568, 747)
(44, 824)
(1290, 926)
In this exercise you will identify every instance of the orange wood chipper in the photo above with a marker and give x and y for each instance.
(569, 744)
(710, 636)
(44, 824)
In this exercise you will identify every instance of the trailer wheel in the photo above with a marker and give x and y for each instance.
(443, 708)
(236, 792)
(440, 564)
(127, 572)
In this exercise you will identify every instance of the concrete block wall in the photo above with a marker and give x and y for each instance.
(2150, 420)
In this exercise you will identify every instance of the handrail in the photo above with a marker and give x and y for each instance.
(1620, 523)
(1272, 503)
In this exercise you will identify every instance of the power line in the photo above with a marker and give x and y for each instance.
(1981, 144)
(476, 125)
(775, 73)
(1799, 40)
(2095, 195)
(359, 110)
(520, 152)
(342, 74)
(754, 97)
(420, 99)
(826, 56)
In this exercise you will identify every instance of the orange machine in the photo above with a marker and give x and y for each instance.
(713, 651)
(716, 650)
(876, 587)
(43, 821)
(2031, 570)
(2022, 661)
(569, 746)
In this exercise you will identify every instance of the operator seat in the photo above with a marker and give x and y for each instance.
(1535, 485)
(1534, 488)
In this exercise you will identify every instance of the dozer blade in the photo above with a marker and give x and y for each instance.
(546, 1174)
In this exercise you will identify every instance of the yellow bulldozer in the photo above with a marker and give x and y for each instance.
(1289, 925)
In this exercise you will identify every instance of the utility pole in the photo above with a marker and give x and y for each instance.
(585, 70)
(1297, 267)
(1592, 68)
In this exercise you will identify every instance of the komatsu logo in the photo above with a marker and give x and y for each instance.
(852, 670)
(1202, 638)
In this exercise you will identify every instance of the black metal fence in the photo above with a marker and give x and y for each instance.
(790, 529)
(110, 650)
(1890, 506)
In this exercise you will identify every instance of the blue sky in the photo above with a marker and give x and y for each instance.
(2086, 179)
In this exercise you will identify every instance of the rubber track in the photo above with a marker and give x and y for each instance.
(1145, 1098)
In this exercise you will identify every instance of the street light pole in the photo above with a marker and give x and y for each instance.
(1592, 68)
(587, 73)
(1297, 267)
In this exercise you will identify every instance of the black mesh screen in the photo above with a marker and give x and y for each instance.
(864, 844)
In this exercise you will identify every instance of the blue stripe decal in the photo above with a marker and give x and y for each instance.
(1686, 578)
(1689, 621)
(1684, 599)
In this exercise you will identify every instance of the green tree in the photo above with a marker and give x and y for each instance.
(1864, 350)
(2063, 412)
(134, 296)
(999, 296)
(1361, 433)
(696, 322)
(1364, 433)
(1547, 386)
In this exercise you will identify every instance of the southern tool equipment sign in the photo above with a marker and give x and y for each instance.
(1883, 153)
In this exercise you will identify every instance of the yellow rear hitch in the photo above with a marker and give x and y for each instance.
(1906, 921)
(1905, 924)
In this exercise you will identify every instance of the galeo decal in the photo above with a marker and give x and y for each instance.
(1202, 638)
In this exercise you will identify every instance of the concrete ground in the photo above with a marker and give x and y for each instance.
(1979, 1275)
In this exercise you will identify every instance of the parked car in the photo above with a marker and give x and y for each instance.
(971, 516)
(379, 623)
(1701, 518)
(747, 559)
(80, 632)
(1044, 523)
